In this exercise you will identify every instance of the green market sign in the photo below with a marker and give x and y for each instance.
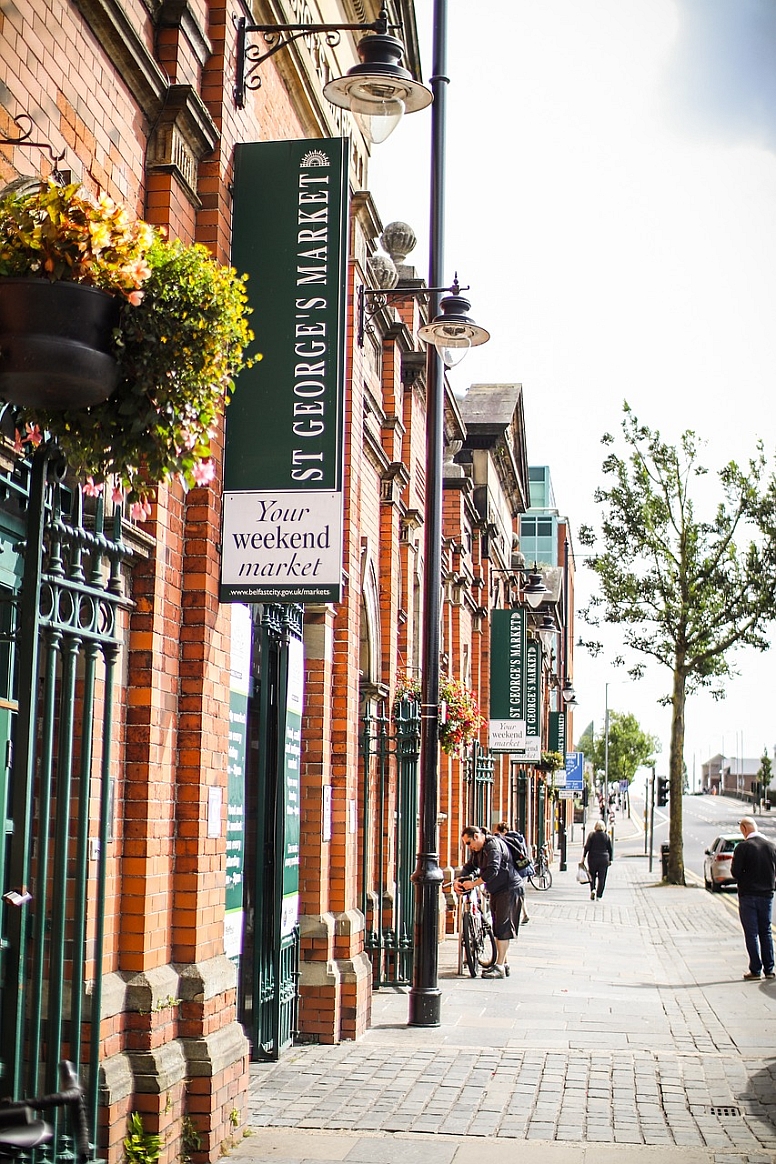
(507, 728)
(531, 753)
(283, 477)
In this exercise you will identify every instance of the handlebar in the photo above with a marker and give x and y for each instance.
(18, 1131)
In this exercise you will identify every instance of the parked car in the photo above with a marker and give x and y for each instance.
(717, 862)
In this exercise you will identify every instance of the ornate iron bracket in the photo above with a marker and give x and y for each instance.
(24, 139)
(250, 57)
(374, 299)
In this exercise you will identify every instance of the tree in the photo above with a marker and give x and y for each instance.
(764, 774)
(684, 592)
(629, 747)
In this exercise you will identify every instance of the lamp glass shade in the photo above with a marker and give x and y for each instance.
(453, 355)
(376, 119)
(534, 598)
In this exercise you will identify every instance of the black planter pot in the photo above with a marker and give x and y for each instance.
(55, 344)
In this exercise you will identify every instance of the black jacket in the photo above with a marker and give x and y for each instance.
(494, 864)
(754, 866)
(598, 848)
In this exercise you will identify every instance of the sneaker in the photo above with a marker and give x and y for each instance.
(592, 896)
(770, 973)
(494, 972)
(507, 971)
(524, 921)
(749, 975)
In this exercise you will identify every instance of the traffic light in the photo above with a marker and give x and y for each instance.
(662, 791)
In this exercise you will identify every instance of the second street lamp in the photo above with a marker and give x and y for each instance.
(425, 996)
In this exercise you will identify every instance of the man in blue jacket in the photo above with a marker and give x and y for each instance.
(754, 869)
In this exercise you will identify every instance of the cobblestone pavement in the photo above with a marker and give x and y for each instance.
(625, 1023)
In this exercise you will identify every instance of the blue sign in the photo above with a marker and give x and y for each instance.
(575, 767)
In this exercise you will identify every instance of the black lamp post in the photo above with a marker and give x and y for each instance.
(450, 329)
(425, 995)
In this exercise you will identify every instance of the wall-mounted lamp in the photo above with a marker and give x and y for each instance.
(452, 332)
(568, 694)
(378, 91)
(534, 591)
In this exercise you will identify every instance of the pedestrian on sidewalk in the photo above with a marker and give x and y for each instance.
(502, 829)
(490, 865)
(597, 855)
(754, 870)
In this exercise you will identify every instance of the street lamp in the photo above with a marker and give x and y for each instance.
(425, 997)
(378, 91)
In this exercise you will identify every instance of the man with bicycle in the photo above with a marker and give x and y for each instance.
(490, 865)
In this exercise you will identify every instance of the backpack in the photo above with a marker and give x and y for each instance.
(518, 850)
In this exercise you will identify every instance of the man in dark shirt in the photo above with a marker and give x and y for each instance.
(490, 866)
(754, 869)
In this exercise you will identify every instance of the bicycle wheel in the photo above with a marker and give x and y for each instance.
(487, 956)
(542, 879)
(470, 943)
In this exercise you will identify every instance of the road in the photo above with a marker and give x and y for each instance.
(704, 818)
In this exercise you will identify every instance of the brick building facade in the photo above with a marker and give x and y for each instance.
(137, 96)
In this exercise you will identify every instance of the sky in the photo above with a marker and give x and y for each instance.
(611, 202)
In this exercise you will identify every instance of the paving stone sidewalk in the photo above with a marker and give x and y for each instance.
(625, 1032)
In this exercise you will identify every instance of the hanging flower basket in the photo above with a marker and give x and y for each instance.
(56, 344)
(178, 334)
(462, 720)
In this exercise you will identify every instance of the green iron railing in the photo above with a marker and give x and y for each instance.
(478, 774)
(61, 642)
(390, 750)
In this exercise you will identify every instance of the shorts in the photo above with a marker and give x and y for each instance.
(505, 912)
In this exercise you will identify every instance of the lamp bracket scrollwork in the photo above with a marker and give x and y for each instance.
(25, 125)
(372, 300)
(250, 57)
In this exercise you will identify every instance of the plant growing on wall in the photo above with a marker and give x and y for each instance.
(180, 341)
(460, 720)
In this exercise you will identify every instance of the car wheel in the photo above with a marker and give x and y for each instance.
(707, 884)
(715, 888)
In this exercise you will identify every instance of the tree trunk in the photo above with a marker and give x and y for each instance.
(676, 778)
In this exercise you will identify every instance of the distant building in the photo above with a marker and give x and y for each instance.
(734, 776)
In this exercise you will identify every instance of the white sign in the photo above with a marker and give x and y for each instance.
(566, 794)
(281, 545)
(532, 752)
(507, 735)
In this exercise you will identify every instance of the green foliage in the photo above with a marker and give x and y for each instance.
(630, 747)
(680, 587)
(552, 761)
(191, 1141)
(140, 1147)
(61, 233)
(181, 341)
(765, 771)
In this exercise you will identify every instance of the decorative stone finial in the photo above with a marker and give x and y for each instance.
(383, 270)
(398, 239)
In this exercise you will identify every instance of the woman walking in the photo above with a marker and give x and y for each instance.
(598, 855)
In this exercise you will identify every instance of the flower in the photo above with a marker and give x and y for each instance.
(459, 716)
(71, 236)
(203, 472)
(182, 338)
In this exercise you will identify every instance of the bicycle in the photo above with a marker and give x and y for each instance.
(21, 1132)
(541, 877)
(479, 944)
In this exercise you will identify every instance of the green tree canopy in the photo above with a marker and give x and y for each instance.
(629, 747)
(680, 587)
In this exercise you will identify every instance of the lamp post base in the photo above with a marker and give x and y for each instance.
(425, 1007)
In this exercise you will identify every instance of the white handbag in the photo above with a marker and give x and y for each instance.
(583, 877)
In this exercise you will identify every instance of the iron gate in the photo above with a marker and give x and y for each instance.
(478, 774)
(269, 962)
(60, 638)
(390, 749)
